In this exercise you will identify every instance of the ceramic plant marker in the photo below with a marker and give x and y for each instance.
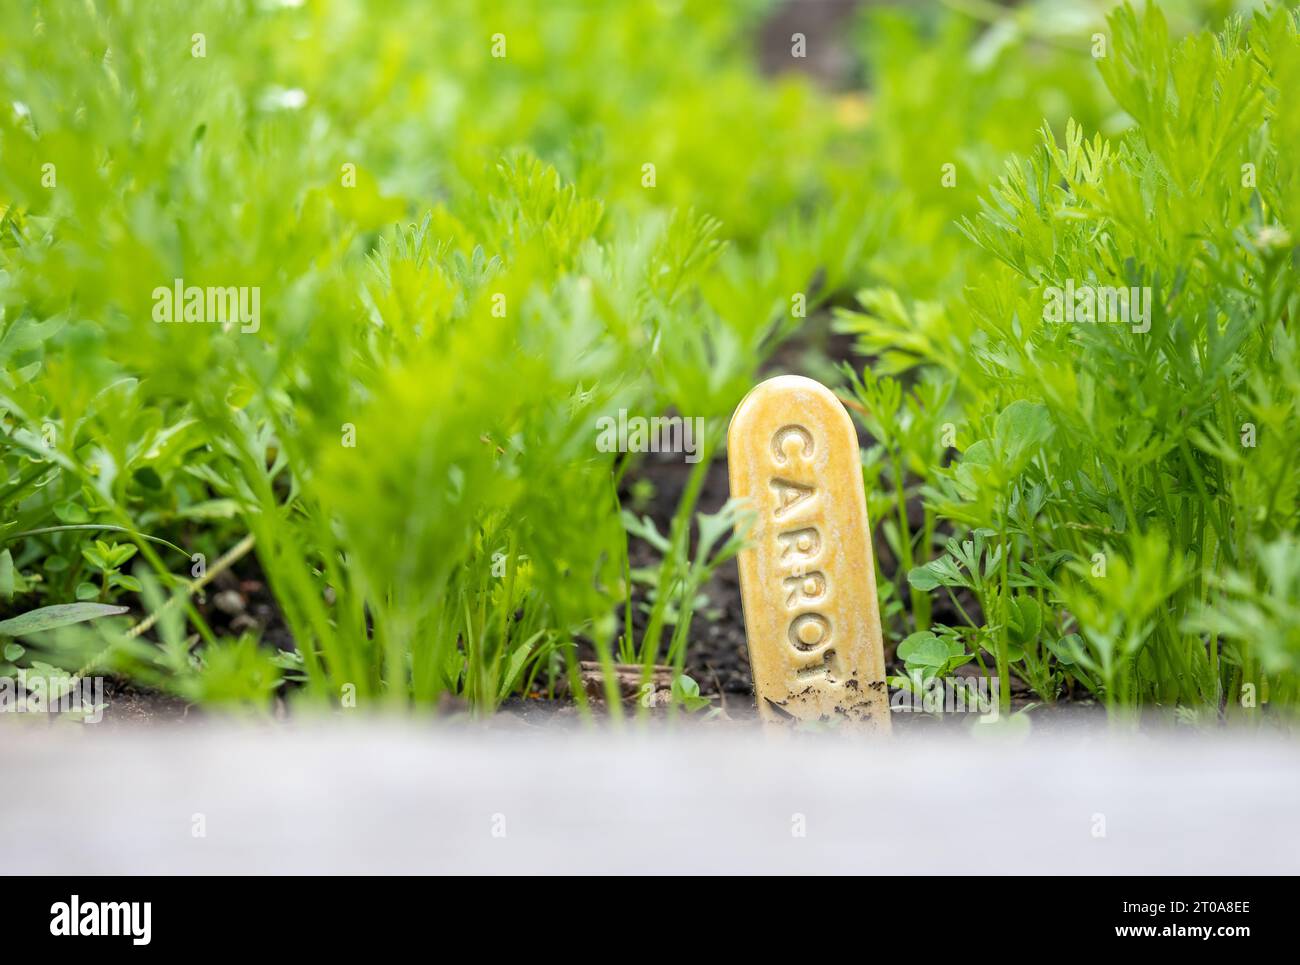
(808, 577)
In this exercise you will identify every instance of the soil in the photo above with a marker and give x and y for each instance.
(130, 704)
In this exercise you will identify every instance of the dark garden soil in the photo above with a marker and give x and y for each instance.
(129, 704)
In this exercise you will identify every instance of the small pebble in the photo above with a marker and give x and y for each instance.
(229, 601)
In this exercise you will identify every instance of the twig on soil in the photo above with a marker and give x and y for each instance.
(223, 563)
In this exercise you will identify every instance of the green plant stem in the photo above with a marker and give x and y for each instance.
(1003, 663)
(675, 558)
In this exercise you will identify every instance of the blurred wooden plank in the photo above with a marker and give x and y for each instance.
(380, 797)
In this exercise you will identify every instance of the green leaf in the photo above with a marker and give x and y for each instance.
(687, 693)
(6, 575)
(97, 555)
(59, 615)
(1067, 649)
(1026, 619)
(924, 649)
(943, 571)
(1021, 428)
(923, 578)
(516, 664)
(645, 528)
(125, 582)
(71, 512)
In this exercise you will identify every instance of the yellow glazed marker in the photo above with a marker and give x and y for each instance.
(808, 577)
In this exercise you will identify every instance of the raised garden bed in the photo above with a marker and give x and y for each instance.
(397, 378)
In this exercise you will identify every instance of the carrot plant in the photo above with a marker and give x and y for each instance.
(1121, 492)
(449, 246)
(335, 295)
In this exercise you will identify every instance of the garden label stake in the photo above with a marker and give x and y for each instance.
(808, 577)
